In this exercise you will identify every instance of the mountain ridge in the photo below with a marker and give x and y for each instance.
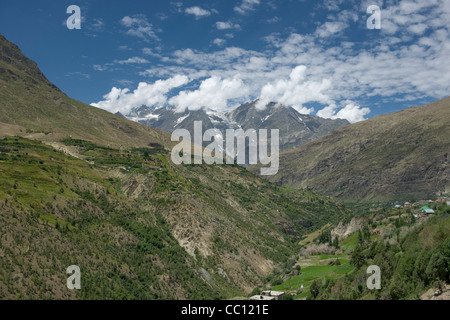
(40, 111)
(403, 154)
(295, 129)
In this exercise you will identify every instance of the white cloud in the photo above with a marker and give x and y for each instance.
(295, 91)
(337, 23)
(406, 60)
(246, 5)
(351, 112)
(123, 101)
(219, 42)
(198, 12)
(79, 75)
(220, 25)
(214, 93)
(98, 67)
(333, 5)
(150, 52)
(331, 28)
(124, 48)
(137, 60)
(96, 25)
(138, 26)
(273, 20)
(418, 28)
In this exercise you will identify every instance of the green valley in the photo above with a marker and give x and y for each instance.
(140, 227)
(413, 255)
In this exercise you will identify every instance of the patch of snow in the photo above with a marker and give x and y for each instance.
(181, 119)
(152, 116)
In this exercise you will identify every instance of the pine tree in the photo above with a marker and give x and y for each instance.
(358, 257)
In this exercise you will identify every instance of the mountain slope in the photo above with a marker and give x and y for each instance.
(100, 192)
(296, 129)
(403, 154)
(141, 227)
(31, 105)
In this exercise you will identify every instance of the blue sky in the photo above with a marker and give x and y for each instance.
(318, 56)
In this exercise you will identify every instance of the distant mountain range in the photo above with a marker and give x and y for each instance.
(295, 129)
(402, 155)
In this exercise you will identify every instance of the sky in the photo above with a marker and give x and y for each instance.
(321, 57)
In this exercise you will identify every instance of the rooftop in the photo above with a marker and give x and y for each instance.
(260, 297)
(271, 293)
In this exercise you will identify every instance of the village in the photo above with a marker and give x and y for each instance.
(320, 263)
(422, 209)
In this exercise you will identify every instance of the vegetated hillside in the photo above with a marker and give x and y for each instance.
(100, 192)
(140, 227)
(32, 106)
(413, 256)
(411, 249)
(395, 156)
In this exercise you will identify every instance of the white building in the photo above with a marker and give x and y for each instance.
(268, 295)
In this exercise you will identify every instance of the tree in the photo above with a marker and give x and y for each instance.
(336, 242)
(360, 238)
(358, 257)
(420, 266)
(398, 288)
(437, 267)
(315, 288)
(366, 233)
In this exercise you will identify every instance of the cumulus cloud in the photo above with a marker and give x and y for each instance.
(214, 93)
(198, 12)
(295, 91)
(406, 60)
(123, 100)
(351, 112)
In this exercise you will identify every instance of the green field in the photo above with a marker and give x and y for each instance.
(321, 271)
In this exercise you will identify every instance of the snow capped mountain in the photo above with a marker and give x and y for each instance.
(295, 129)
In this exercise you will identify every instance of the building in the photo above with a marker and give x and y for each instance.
(407, 204)
(261, 298)
(426, 210)
(268, 295)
